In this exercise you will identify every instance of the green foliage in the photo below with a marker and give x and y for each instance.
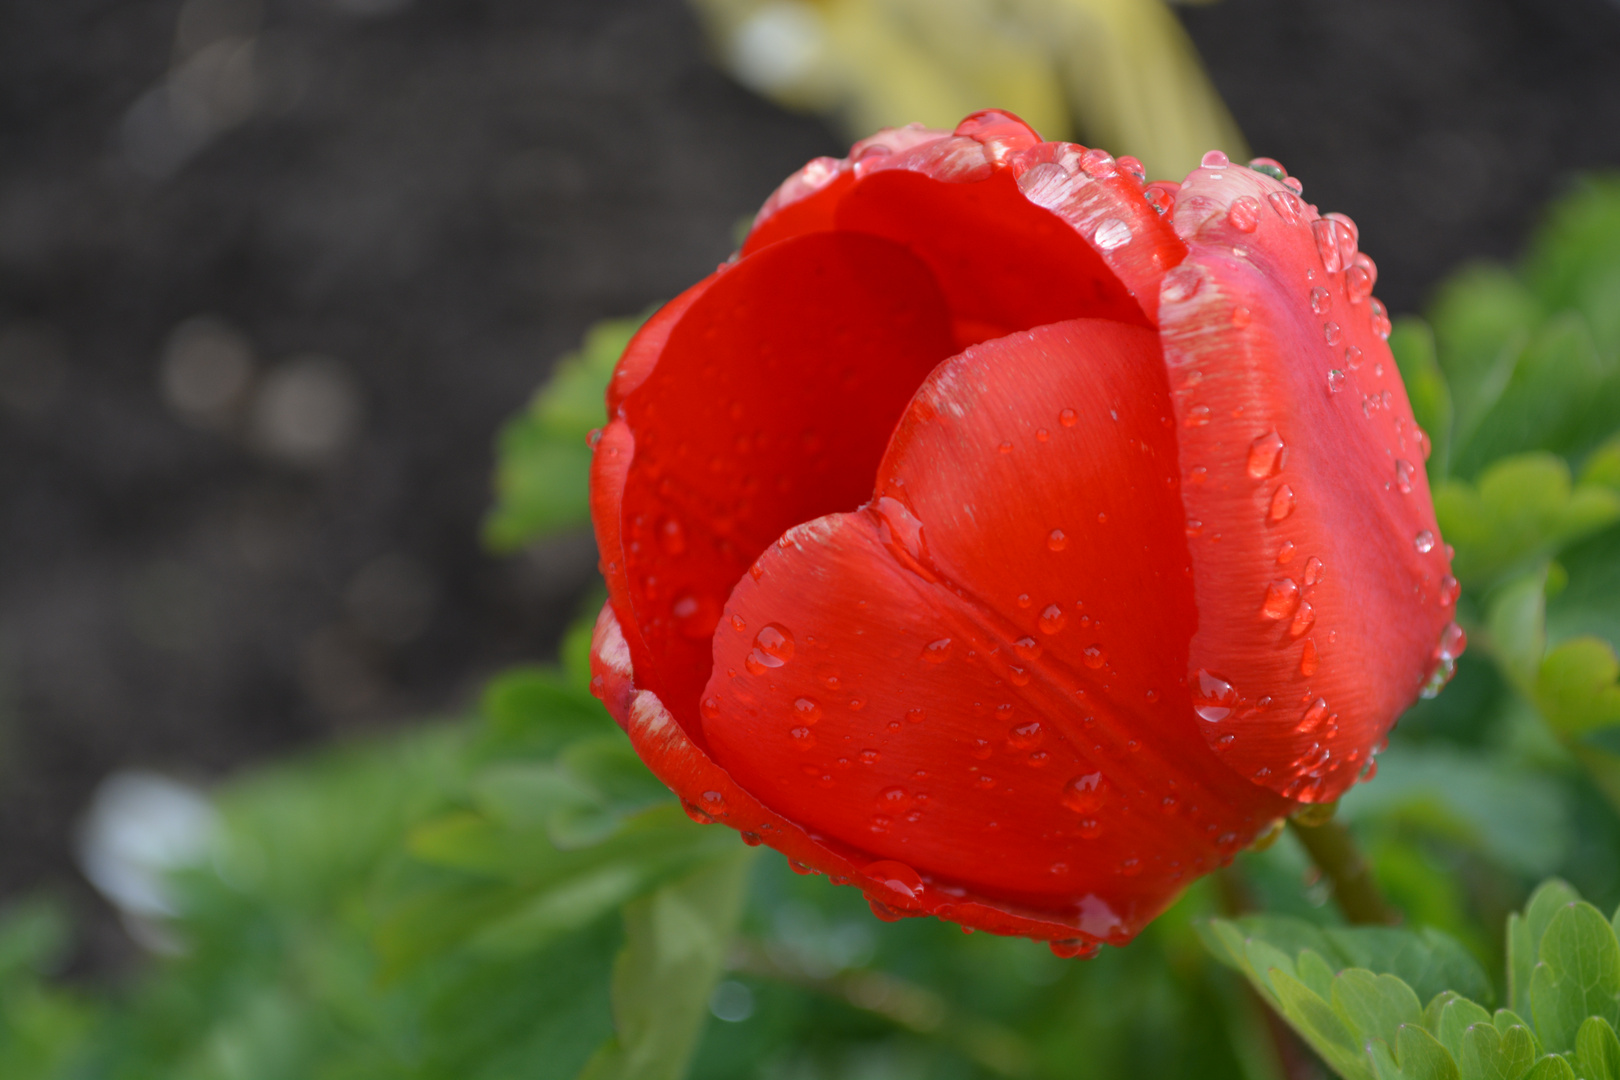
(543, 458)
(1357, 996)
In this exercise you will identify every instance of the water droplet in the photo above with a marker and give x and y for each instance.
(937, 652)
(1074, 948)
(1270, 167)
(1089, 828)
(1285, 552)
(1358, 280)
(1282, 504)
(1244, 214)
(1321, 300)
(1286, 205)
(916, 716)
(1056, 541)
(1098, 164)
(738, 624)
(1303, 620)
(894, 800)
(1005, 448)
(896, 877)
(1197, 416)
(1093, 657)
(1084, 794)
(1313, 570)
(1052, 619)
(1403, 476)
(1025, 736)
(1042, 435)
(1307, 658)
(806, 710)
(1450, 589)
(1314, 717)
(695, 616)
(710, 707)
(1424, 541)
(1133, 168)
(870, 757)
(803, 738)
(1331, 333)
(696, 814)
(1180, 284)
(1335, 381)
(1380, 320)
(1112, 234)
(773, 647)
(1282, 597)
(1327, 244)
(1027, 647)
(1068, 417)
(831, 682)
(1215, 159)
(1352, 358)
(1213, 697)
(1369, 770)
(671, 537)
(1266, 455)
(1161, 195)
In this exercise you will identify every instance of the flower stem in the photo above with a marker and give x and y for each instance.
(1334, 851)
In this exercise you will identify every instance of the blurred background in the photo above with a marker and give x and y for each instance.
(274, 272)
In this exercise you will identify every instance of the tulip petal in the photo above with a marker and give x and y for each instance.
(769, 403)
(1320, 577)
(980, 676)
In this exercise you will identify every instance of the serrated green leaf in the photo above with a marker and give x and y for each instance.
(1412, 342)
(1315, 972)
(1551, 1067)
(676, 941)
(1524, 934)
(1375, 1006)
(1577, 690)
(1426, 960)
(1597, 1050)
(542, 466)
(1489, 1054)
(1577, 975)
(1421, 1057)
(1453, 1020)
(1320, 1025)
(1263, 958)
(1522, 508)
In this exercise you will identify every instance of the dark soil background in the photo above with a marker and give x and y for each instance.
(270, 278)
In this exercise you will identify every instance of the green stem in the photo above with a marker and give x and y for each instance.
(1334, 851)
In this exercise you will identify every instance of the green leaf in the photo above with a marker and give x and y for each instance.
(1597, 1050)
(1489, 1054)
(1578, 975)
(540, 710)
(1576, 689)
(1375, 1006)
(1421, 1057)
(1451, 1021)
(1551, 1067)
(1426, 960)
(1322, 1027)
(1482, 318)
(1522, 508)
(1548, 399)
(1524, 933)
(1412, 341)
(1603, 466)
(1517, 622)
(676, 940)
(1574, 262)
(543, 462)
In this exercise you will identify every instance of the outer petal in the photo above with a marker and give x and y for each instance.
(710, 795)
(980, 678)
(1322, 584)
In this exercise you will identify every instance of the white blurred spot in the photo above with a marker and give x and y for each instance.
(33, 367)
(391, 599)
(732, 1002)
(777, 45)
(206, 368)
(141, 827)
(306, 411)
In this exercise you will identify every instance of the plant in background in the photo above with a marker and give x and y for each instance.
(1012, 538)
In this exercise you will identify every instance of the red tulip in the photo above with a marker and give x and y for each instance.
(1012, 540)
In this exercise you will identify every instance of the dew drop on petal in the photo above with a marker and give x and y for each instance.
(1424, 541)
(1213, 697)
(1403, 476)
(1303, 620)
(1215, 159)
(1068, 417)
(1307, 658)
(1094, 657)
(1314, 717)
(1335, 381)
(1089, 828)
(806, 710)
(1197, 416)
(1282, 504)
(1380, 320)
(1313, 570)
(1266, 455)
(773, 647)
(915, 716)
(710, 707)
(1327, 244)
(1282, 598)
(1112, 234)
(938, 651)
(1027, 647)
(1285, 552)
(1052, 619)
(1352, 357)
(1321, 300)
(1331, 333)
(1084, 794)
(1244, 214)
(1056, 540)
(1025, 736)
(1284, 204)
(1450, 589)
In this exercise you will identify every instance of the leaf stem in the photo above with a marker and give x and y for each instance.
(1335, 852)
